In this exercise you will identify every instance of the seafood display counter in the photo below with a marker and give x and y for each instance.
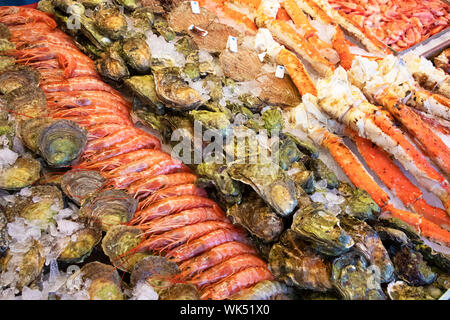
(225, 149)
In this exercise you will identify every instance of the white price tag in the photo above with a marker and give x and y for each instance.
(279, 72)
(195, 7)
(198, 30)
(261, 56)
(232, 44)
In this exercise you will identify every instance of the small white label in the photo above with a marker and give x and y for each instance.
(279, 72)
(198, 30)
(261, 56)
(232, 44)
(195, 7)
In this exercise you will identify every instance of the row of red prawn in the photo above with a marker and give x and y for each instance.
(175, 216)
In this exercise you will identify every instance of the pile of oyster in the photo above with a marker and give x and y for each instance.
(322, 237)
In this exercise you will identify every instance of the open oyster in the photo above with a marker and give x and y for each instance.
(399, 290)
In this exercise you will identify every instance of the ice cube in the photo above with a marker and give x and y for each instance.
(318, 197)
(143, 291)
(68, 227)
(31, 294)
(25, 192)
(7, 157)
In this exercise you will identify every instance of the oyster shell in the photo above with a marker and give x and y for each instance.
(18, 76)
(136, 53)
(399, 290)
(302, 177)
(26, 267)
(217, 175)
(110, 21)
(273, 120)
(40, 207)
(4, 32)
(23, 173)
(411, 268)
(153, 265)
(322, 229)
(130, 4)
(322, 172)
(111, 65)
(358, 203)
(104, 281)
(293, 261)
(79, 184)
(211, 120)
(306, 147)
(118, 245)
(4, 238)
(143, 18)
(288, 153)
(171, 89)
(354, 280)
(144, 88)
(163, 28)
(179, 291)
(109, 208)
(77, 250)
(270, 182)
(255, 216)
(368, 243)
(61, 143)
(30, 129)
(27, 102)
